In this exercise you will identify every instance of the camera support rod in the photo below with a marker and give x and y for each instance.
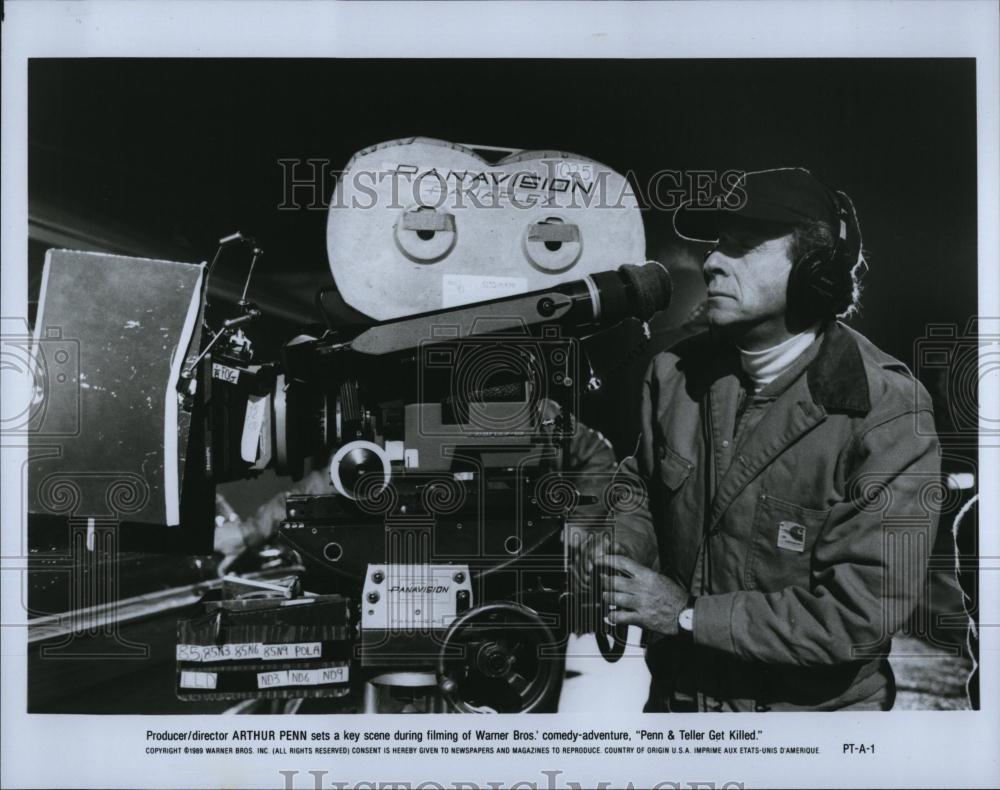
(478, 319)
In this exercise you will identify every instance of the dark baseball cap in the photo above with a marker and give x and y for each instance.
(783, 196)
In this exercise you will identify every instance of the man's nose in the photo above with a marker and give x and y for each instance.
(714, 264)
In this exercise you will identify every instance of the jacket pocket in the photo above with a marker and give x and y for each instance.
(674, 469)
(784, 536)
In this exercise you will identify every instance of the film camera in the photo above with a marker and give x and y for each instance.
(437, 410)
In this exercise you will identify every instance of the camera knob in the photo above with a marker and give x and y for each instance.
(354, 464)
(448, 686)
(425, 235)
(552, 245)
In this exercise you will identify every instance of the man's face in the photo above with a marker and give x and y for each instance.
(747, 278)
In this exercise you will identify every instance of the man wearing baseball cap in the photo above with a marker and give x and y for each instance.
(789, 465)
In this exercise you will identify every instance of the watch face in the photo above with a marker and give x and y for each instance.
(686, 619)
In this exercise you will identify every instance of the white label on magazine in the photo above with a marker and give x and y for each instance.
(459, 289)
(198, 680)
(243, 651)
(302, 677)
(227, 652)
(292, 651)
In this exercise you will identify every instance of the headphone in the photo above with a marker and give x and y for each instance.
(820, 283)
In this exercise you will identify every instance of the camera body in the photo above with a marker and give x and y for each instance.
(434, 458)
(432, 426)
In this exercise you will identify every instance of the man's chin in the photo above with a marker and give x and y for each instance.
(719, 316)
(727, 325)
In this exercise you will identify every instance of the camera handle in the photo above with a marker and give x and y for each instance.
(611, 639)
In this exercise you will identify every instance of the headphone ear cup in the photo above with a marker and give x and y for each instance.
(817, 286)
(821, 284)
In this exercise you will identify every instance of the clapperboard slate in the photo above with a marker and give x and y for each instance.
(293, 649)
(111, 337)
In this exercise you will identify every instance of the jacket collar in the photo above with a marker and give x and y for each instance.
(836, 377)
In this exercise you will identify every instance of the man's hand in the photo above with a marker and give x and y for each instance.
(231, 538)
(642, 596)
(594, 553)
(588, 555)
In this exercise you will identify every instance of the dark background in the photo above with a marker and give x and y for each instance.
(160, 158)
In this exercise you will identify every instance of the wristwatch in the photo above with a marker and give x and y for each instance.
(686, 619)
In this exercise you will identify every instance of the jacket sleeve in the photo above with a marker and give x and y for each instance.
(620, 490)
(869, 564)
(262, 524)
(634, 525)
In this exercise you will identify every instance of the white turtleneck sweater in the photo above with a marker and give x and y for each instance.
(765, 366)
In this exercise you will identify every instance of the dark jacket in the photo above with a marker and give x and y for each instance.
(805, 547)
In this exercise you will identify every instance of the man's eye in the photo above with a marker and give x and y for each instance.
(735, 246)
(741, 245)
